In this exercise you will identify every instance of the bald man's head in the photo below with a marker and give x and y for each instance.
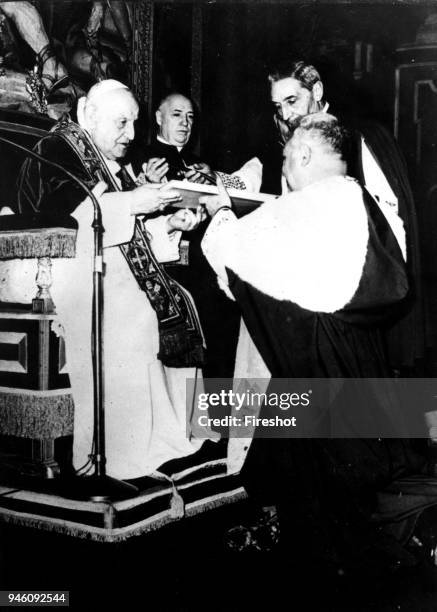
(175, 117)
(110, 112)
(315, 151)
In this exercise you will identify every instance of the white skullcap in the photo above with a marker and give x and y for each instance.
(96, 92)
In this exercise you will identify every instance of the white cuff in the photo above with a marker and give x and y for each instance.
(251, 174)
(165, 246)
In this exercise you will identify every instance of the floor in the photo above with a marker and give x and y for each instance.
(187, 567)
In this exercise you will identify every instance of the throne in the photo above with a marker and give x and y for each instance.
(36, 406)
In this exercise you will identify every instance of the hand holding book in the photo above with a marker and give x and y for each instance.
(243, 202)
(214, 203)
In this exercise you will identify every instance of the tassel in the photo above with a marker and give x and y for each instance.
(177, 505)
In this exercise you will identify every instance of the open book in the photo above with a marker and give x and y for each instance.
(243, 201)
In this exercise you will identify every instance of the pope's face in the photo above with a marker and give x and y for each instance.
(291, 101)
(112, 125)
(175, 120)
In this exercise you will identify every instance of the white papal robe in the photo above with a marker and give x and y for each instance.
(145, 402)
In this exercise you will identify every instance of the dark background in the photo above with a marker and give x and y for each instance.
(241, 40)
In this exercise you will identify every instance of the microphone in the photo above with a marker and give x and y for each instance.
(99, 486)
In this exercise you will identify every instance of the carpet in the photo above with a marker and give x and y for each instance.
(185, 494)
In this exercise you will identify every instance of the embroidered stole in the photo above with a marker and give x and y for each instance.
(181, 341)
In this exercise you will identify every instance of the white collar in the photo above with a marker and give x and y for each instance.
(112, 164)
(161, 139)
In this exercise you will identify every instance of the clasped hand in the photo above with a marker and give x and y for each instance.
(145, 199)
(156, 169)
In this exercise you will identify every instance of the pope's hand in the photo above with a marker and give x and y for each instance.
(185, 219)
(215, 202)
(148, 199)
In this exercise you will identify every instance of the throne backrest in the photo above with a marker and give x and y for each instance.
(25, 129)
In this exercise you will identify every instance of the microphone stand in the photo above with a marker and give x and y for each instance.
(99, 486)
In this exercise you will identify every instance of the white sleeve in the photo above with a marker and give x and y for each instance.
(117, 221)
(119, 225)
(228, 239)
(251, 174)
(165, 246)
(220, 238)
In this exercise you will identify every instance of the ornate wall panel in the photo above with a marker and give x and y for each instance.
(415, 127)
(142, 57)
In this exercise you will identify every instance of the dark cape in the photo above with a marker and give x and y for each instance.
(404, 336)
(326, 489)
(43, 190)
(219, 317)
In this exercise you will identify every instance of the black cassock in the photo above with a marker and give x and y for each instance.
(177, 160)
